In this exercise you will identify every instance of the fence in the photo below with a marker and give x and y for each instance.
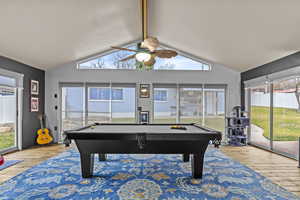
(7, 109)
(281, 100)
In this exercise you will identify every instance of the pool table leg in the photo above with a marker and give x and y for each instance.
(102, 157)
(197, 165)
(186, 157)
(87, 164)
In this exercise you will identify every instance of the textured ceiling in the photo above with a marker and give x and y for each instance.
(238, 34)
(48, 33)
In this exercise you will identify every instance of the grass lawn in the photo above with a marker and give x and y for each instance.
(7, 140)
(286, 123)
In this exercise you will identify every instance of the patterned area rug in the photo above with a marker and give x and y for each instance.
(9, 163)
(141, 177)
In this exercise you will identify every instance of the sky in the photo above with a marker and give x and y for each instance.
(177, 63)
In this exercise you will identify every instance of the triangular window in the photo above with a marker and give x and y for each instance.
(111, 61)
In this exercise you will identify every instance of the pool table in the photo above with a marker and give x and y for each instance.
(105, 139)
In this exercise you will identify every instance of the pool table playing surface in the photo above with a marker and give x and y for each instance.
(143, 128)
(142, 138)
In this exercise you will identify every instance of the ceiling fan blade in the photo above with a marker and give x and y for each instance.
(165, 53)
(127, 58)
(150, 62)
(124, 49)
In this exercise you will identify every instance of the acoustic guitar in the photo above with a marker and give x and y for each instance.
(44, 136)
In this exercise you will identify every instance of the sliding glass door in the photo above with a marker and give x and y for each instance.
(214, 101)
(165, 103)
(260, 115)
(8, 118)
(190, 103)
(98, 103)
(123, 103)
(72, 106)
(275, 115)
(111, 103)
(83, 104)
(286, 116)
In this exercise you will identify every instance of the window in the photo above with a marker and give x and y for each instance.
(260, 115)
(103, 94)
(198, 103)
(180, 62)
(111, 61)
(160, 95)
(274, 109)
(120, 108)
(286, 107)
(72, 106)
(8, 117)
(165, 104)
(124, 111)
(214, 102)
(191, 105)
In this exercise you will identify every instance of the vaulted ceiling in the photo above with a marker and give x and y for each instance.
(238, 34)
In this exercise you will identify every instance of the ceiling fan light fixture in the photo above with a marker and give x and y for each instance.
(143, 57)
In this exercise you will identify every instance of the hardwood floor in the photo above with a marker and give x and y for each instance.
(30, 157)
(279, 169)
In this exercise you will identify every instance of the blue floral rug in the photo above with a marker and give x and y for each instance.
(141, 177)
(9, 163)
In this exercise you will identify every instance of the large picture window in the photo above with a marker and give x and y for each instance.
(202, 104)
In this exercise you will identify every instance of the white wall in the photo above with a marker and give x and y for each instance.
(69, 73)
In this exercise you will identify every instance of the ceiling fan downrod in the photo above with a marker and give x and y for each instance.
(144, 6)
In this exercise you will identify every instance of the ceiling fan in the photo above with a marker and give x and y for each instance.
(147, 50)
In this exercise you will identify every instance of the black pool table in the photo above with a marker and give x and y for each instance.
(142, 139)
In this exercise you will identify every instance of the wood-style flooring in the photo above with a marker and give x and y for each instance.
(279, 169)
